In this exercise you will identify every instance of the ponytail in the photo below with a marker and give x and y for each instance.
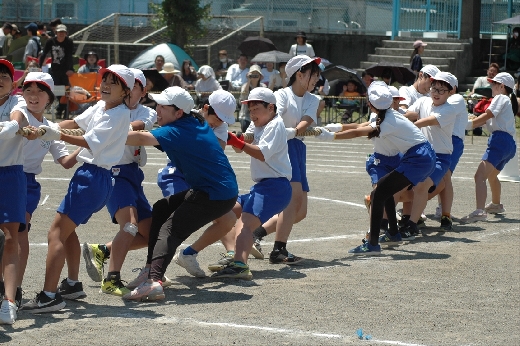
(512, 97)
(415, 51)
(381, 113)
(198, 116)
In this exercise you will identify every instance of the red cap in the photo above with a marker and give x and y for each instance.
(8, 64)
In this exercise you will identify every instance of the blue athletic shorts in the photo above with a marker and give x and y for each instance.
(33, 193)
(88, 192)
(501, 148)
(417, 163)
(298, 157)
(171, 181)
(379, 165)
(458, 149)
(266, 198)
(442, 164)
(13, 192)
(128, 191)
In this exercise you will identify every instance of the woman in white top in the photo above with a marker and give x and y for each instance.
(302, 47)
(254, 77)
(206, 83)
(500, 121)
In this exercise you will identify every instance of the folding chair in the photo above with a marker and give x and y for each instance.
(76, 97)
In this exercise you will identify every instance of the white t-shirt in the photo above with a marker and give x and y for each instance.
(105, 132)
(236, 76)
(267, 75)
(272, 141)
(503, 117)
(457, 101)
(221, 131)
(438, 135)
(481, 82)
(410, 95)
(305, 49)
(293, 108)
(138, 153)
(11, 150)
(397, 134)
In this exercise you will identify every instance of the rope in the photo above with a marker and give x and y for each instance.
(309, 132)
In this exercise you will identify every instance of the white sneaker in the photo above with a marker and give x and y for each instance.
(7, 312)
(147, 291)
(477, 215)
(493, 208)
(166, 282)
(142, 277)
(189, 262)
(438, 212)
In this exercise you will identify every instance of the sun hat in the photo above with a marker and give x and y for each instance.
(61, 27)
(379, 95)
(121, 71)
(504, 78)
(297, 62)
(431, 70)
(169, 68)
(139, 76)
(14, 29)
(395, 92)
(206, 71)
(261, 94)
(224, 104)
(446, 77)
(176, 96)
(419, 43)
(255, 68)
(9, 65)
(40, 78)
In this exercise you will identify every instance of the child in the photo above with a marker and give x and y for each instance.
(106, 127)
(270, 170)
(350, 90)
(500, 120)
(420, 88)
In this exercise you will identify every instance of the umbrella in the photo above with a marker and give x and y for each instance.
(510, 21)
(171, 53)
(400, 73)
(159, 83)
(341, 72)
(253, 45)
(325, 62)
(274, 56)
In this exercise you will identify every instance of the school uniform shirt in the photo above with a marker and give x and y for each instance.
(236, 76)
(221, 131)
(105, 132)
(305, 49)
(439, 136)
(503, 117)
(195, 151)
(380, 146)
(293, 108)
(11, 150)
(272, 141)
(138, 153)
(459, 129)
(410, 95)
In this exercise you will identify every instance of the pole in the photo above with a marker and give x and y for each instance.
(459, 24)
(428, 6)
(396, 8)
(116, 38)
(491, 45)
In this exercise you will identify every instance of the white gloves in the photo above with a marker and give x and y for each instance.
(51, 133)
(291, 133)
(9, 129)
(325, 135)
(334, 127)
(54, 126)
(469, 125)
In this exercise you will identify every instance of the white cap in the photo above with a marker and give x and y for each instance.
(395, 92)
(297, 62)
(175, 96)
(431, 70)
(123, 72)
(206, 71)
(61, 27)
(504, 78)
(139, 76)
(261, 94)
(379, 95)
(224, 104)
(446, 77)
(41, 78)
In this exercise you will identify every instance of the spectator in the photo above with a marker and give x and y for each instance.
(415, 60)
(42, 31)
(159, 62)
(188, 74)
(278, 80)
(4, 34)
(31, 67)
(388, 78)
(254, 76)
(61, 49)
(321, 90)
(223, 64)
(367, 78)
(237, 73)
(482, 82)
(9, 38)
(33, 47)
(91, 63)
(513, 51)
(267, 71)
(16, 32)
(302, 47)
(53, 24)
(172, 75)
(206, 83)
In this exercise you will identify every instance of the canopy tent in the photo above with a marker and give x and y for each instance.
(171, 53)
(509, 22)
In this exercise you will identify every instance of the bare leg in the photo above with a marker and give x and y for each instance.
(73, 255)
(420, 199)
(23, 250)
(123, 239)
(287, 217)
(10, 258)
(494, 184)
(446, 195)
(244, 231)
(218, 230)
(483, 172)
(141, 238)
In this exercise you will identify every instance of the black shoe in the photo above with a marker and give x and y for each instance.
(446, 223)
(43, 303)
(71, 292)
(283, 257)
(2, 289)
(408, 231)
(18, 297)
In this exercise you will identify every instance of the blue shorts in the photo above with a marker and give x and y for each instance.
(298, 157)
(501, 148)
(128, 192)
(379, 165)
(266, 198)
(33, 193)
(458, 149)
(442, 164)
(171, 181)
(417, 163)
(88, 192)
(13, 192)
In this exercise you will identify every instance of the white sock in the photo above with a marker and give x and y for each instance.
(71, 282)
(51, 295)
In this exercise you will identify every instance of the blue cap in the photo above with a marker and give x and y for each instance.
(32, 26)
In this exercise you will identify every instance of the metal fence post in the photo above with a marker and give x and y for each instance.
(395, 20)
(116, 38)
(459, 24)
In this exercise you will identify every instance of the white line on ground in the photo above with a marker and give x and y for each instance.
(337, 201)
(45, 199)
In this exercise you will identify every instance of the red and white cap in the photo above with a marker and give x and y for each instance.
(297, 62)
(175, 96)
(224, 104)
(379, 95)
(504, 78)
(9, 65)
(395, 93)
(40, 78)
(123, 72)
(446, 77)
(139, 76)
(261, 94)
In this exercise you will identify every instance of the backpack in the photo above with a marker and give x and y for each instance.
(38, 45)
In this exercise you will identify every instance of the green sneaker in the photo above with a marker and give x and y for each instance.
(227, 258)
(94, 260)
(235, 271)
(114, 287)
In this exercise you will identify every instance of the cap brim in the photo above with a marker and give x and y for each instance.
(491, 80)
(247, 101)
(165, 72)
(38, 82)
(399, 97)
(103, 70)
(160, 99)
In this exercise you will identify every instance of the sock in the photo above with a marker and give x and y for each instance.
(231, 253)
(71, 282)
(279, 245)
(384, 224)
(240, 263)
(447, 214)
(189, 251)
(114, 276)
(260, 233)
(51, 295)
(105, 250)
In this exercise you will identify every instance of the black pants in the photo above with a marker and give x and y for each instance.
(174, 219)
(60, 78)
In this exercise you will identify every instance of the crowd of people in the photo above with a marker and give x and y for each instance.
(418, 135)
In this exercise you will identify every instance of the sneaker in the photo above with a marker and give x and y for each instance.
(235, 271)
(189, 262)
(366, 249)
(165, 282)
(420, 224)
(408, 231)
(446, 223)
(367, 203)
(283, 257)
(493, 208)
(147, 291)
(256, 250)
(7, 312)
(18, 297)
(95, 260)
(43, 303)
(114, 287)
(226, 259)
(423, 217)
(477, 215)
(71, 292)
(387, 239)
(438, 212)
(141, 277)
